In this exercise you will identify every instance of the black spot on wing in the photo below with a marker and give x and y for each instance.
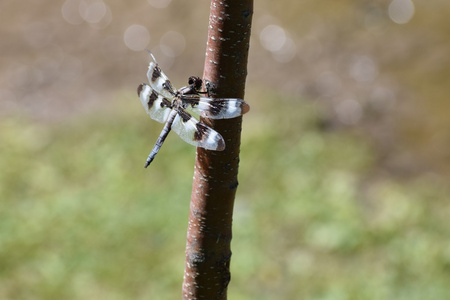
(192, 100)
(220, 145)
(168, 86)
(217, 107)
(185, 116)
(140, 88)
(166, 103)
(152, 98)
(201, 131)
(156, 73)
(244, 107)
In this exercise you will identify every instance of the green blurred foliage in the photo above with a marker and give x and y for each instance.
(81, 218)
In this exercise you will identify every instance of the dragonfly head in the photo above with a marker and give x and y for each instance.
(195, 82)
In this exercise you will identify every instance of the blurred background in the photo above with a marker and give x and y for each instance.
(344, 167)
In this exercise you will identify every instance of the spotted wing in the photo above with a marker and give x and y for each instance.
(196, 133)
(216, 108)
(157, 106)
(159, 81)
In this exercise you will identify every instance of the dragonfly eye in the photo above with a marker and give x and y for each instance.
(196, 82)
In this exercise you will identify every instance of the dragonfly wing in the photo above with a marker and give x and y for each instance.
(196, 133)
(157, 106)
(159, 81)
(217, 108)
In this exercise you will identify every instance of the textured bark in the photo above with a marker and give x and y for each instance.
(208, 251)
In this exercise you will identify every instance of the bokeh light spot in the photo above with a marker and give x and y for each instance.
(70, 12)
(401, 11)
(93, 12)
(272, 37)
(164, 55)
(287, 52)
(136, 37)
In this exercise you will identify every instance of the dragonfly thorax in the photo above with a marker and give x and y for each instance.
(194, 87)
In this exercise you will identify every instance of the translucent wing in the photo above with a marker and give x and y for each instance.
(216, 108)
(197, 133)
(159, 81)
(154, 104)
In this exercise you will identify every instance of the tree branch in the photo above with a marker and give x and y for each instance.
(208, 251)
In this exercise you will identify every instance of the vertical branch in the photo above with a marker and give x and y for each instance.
(208, 251)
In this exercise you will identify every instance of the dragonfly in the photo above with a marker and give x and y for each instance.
(173, 107)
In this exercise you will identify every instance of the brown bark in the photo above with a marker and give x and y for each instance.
(208, 251)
